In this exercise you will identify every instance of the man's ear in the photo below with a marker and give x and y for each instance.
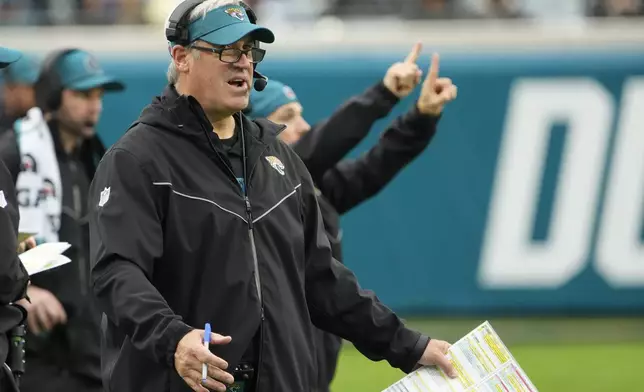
(180, 57)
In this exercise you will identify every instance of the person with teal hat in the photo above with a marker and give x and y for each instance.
(18, 90)
(52, 154)
(200, 216)
(278, 103)
(344, 183)
(8, 56)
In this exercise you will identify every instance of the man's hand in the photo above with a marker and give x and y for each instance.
(191, 355)
(434, 355)
(44, 312)
(436, 92)
(402, 78)
(26, 245)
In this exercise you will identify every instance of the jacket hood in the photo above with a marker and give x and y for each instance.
(184, 115)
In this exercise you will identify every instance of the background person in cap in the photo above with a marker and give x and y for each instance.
(52, 155)
(13, 276)
(200, 215)
(18, 90)
(342, 184)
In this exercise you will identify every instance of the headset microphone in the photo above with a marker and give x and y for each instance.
(260, 81)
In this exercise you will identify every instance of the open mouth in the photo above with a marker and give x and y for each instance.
(238, 82)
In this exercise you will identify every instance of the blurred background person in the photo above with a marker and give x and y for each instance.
(52, 155)
(18, 90)
(13, 276)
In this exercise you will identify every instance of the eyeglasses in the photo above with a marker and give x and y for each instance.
(232, 55)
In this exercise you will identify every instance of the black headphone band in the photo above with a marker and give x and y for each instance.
(48, 86)
(177, 30)
(252, 17)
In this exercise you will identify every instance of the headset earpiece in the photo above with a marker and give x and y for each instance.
(260, 80)
(48, 87)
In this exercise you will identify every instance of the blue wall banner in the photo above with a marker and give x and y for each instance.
(529, 199)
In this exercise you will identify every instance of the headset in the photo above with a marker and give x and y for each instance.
(177, 32)
(48, 88)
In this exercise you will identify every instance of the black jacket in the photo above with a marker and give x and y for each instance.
(75, 345)
(6, 122)
(175, 244)
(13, 276)
(343, 183)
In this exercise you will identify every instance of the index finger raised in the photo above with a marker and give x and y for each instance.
(412, 57)
(433, 69)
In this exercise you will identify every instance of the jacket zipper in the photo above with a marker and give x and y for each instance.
(258, 285)
(258, 282)
(77, 212)
(251, 236)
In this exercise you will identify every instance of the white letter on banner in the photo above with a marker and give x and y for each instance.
(509, 258)
(620, 254)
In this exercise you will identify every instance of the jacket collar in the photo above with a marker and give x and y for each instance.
(192, 120)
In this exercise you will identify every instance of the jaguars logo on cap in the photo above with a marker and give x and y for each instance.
(276, 164)
(91, 64)
(288, 92)
(235, 12)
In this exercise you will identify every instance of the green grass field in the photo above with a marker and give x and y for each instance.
(606, 363)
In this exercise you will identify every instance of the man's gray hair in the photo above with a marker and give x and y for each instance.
(199, 11)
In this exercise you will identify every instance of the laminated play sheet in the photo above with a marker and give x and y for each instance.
(44, 257)
(482, 362)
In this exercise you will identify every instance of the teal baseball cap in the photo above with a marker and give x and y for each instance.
(226, 25)
(80, 70)
(24, 71)
(8, 56)
(264, 103)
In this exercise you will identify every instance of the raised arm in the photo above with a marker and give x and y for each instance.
(352, 181)
(332, 139)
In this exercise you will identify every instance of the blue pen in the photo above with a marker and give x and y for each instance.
(206, 342)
